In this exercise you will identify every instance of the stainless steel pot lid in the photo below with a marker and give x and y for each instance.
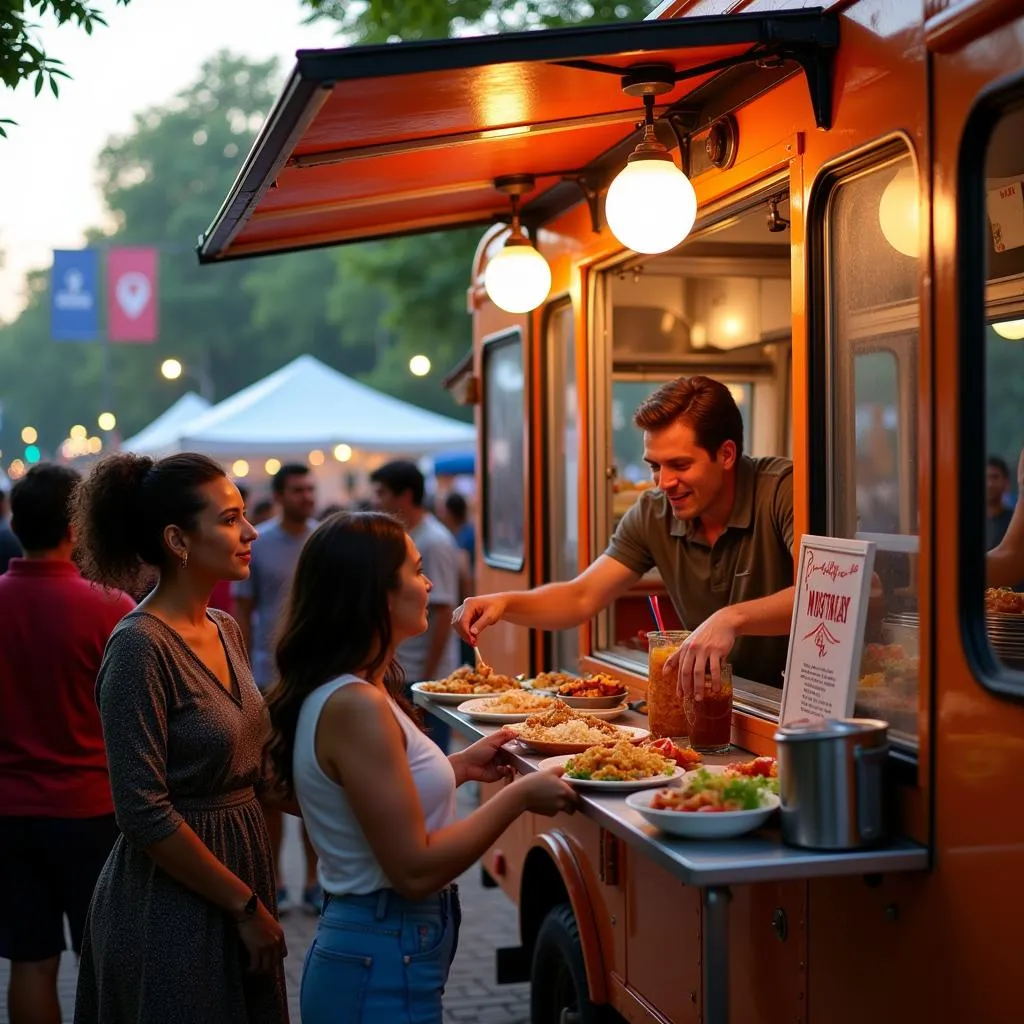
(825, 728)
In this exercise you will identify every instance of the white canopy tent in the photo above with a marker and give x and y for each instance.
(305, 406)
(161, 436)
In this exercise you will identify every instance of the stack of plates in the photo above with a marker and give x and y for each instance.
(1006, 635)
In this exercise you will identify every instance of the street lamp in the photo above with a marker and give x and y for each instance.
(172, 369)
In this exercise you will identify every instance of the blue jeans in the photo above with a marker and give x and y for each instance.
(380, 958)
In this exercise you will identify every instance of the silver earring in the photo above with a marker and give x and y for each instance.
(184, 560)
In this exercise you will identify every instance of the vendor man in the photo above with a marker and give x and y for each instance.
(719, 528)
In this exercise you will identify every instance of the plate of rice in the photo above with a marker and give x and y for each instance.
(563, 730)
(622, 766)
(511, 706)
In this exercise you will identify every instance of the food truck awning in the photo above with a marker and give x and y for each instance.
(373, 141)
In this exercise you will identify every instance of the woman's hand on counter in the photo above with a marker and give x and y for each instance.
(546, 793)
(703, 652)
(481, 761)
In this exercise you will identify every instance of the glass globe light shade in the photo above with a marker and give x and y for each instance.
(1011, 330)
(898, 212)
(518, 279)
(651, 205)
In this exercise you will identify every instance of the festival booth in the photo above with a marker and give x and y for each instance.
(161, 436)
(308, 412)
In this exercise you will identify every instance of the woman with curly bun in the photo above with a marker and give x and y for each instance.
(182, 924)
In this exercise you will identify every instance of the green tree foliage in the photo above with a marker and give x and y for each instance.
(365, 309)
(162, 184)
(384, 21)
(22, 56)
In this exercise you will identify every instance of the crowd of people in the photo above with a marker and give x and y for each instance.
(139, 799)
(173, 680)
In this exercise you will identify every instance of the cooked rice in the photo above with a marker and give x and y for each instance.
(563, 724)
(515, 701)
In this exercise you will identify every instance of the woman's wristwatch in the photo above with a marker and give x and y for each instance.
(248, 909)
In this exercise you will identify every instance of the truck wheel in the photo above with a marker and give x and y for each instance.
(558, 977)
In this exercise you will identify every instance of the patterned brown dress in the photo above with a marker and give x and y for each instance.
(181, 748)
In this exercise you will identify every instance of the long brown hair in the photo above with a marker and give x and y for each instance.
(337, 621)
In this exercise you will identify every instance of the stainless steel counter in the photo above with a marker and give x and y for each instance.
(713, 865)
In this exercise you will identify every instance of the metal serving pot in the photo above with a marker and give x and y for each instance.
(831, 783)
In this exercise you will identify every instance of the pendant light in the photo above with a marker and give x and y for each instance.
(518, 278)
(651, 205)
(898, 212)
(1011, 330)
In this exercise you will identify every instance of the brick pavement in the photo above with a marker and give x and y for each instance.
(472, 995)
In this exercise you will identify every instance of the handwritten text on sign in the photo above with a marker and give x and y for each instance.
(827, 630)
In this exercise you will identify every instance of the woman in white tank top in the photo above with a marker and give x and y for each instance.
(377, 795)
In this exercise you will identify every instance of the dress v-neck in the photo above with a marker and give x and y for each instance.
(235, 692)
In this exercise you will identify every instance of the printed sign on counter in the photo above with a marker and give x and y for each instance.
(825, 639)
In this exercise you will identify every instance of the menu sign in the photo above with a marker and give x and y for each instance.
(827, 633)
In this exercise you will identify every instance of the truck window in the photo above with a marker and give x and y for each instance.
(504, 482)
(993, 355)
(871, 284)
(563, 471)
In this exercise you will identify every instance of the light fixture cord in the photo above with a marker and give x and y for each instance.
(516, 229)
(649, 110)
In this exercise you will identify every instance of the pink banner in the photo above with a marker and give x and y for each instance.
(132, 294)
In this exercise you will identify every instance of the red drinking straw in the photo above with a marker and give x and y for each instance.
(652, 603)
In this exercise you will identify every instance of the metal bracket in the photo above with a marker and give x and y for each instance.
(682, 123)
(818, 66)
(592, 196)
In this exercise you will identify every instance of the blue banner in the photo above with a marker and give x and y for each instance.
(74, 295)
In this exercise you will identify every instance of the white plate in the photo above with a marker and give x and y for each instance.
(628, 732)
(703, 824)
(625, 784)
(475, 709)
(451, 698)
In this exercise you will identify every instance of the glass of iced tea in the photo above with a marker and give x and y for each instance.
(665, 712)
(709, 721)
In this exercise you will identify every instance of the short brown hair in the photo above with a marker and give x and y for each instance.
(704, 404)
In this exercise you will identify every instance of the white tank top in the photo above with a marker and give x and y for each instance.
(346, 861)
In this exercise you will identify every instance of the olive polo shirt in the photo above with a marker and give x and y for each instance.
(753, 558)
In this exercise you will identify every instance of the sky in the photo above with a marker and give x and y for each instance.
(148, 52)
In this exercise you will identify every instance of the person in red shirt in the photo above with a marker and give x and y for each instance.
(56, 811)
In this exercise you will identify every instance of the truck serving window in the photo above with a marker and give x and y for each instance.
(871, 313)
(719, 306)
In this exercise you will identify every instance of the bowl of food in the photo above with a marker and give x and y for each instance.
(709, 804)
(590, 693)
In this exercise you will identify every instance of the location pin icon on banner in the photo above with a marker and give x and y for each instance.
(132, 291)
(132, 294)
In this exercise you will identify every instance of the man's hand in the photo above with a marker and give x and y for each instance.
(703, 651)
(475, 614)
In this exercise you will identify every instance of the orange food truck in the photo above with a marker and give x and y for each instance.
(851, 265)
